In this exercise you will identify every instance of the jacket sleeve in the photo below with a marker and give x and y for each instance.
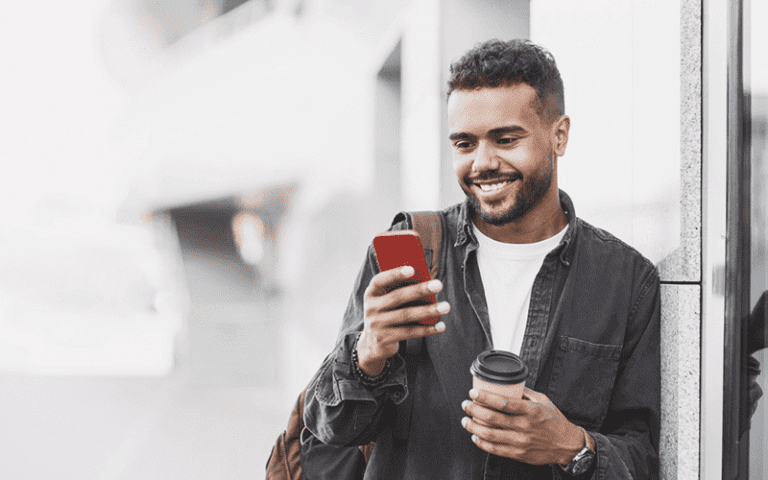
(338, 409)
(628, 441)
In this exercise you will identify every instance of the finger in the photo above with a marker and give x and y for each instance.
(488, 434)
(418, 293)
(410, 332)
(500, 450)
(389, 328)
(384, 281)
(408, 315)
(488, 416)
(510, 406)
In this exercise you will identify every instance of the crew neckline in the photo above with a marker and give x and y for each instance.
(518, 250)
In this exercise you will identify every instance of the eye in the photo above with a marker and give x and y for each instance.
(462, 145)
(506, 140)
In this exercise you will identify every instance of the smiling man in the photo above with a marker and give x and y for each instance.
(518, 271)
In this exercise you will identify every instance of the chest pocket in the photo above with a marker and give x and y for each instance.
(582, 381)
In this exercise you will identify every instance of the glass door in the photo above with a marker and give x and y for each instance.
(756, 97)
(745, 409)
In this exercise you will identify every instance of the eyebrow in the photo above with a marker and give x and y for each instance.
(457, 136)
(508, 129)
(493, 132)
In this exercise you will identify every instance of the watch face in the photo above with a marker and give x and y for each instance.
(583, 464)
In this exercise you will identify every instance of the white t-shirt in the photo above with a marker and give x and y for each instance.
(508, 271)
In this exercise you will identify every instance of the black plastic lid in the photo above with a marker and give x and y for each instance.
(500, 367)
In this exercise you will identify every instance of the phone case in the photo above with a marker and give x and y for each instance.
(401, 248)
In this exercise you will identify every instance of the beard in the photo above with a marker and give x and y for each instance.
(532, 192)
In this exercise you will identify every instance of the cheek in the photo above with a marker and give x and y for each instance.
(461, 166)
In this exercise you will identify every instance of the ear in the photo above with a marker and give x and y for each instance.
(560, 129)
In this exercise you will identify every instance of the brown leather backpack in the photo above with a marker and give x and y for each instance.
(345, 463)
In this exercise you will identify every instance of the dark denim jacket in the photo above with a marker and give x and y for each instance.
(591, 345)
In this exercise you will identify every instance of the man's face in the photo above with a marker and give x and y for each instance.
(504, 154)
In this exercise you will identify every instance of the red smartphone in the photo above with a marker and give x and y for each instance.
(401, 248)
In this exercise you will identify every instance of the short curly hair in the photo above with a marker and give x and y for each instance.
(496, 64)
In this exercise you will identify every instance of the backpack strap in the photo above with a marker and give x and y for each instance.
(429, 226)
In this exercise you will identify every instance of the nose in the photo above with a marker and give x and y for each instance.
(485, 158)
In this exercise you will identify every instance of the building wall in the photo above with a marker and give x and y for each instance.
(635, 107)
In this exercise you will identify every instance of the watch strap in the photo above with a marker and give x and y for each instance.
(583, 460)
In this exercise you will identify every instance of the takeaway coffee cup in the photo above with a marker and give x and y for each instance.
(499, 372)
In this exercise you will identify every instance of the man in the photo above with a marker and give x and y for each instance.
(518, 271)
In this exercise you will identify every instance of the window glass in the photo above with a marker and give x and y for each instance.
(756, 89)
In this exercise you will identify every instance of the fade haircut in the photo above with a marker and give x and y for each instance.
(500, 64)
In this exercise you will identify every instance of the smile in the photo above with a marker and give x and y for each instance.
(492, 187)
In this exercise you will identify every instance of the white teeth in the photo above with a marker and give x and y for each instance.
(492, 187)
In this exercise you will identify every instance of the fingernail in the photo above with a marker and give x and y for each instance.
(464, 422)
(440, 326)
(443, 307)
(435, 285)
(407, 271)
(474, 438)
(465, 404)
(473, 394)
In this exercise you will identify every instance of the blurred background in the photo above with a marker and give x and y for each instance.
(189, 188)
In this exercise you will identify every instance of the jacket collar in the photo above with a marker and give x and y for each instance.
(566, 247)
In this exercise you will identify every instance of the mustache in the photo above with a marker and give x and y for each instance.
(494, 177)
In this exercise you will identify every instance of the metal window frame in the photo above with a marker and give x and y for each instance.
(714, 167)
(738, 254)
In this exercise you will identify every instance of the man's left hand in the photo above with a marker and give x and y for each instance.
(531, 429)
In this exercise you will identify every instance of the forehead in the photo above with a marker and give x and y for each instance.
(484, 109)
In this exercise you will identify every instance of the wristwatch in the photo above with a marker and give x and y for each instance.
(582, 461)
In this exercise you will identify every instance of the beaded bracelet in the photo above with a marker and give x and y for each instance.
(365, 379)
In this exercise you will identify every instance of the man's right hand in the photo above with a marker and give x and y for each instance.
(387, 322)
